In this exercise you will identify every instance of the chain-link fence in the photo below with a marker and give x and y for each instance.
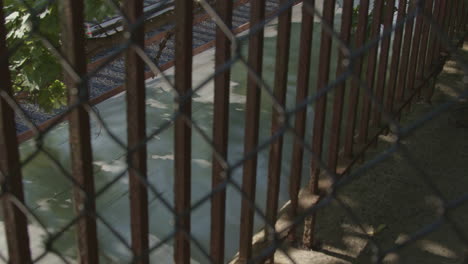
(375, 60)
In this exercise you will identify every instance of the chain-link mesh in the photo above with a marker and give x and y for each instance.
(375, 60)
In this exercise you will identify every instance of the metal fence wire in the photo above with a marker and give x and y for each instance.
(389, 55)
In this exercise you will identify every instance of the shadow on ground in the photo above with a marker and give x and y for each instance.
(403, 196)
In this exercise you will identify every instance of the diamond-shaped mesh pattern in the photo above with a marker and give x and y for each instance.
(374, 62)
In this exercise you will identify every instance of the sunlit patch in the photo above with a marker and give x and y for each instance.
(402, 238)
(436, 203)
(349, 201)
(202, 163)
(389, 138)
(436, 249)
(37, 235)
(44, 204)
(354, 244)
(163, 157)
(452, 68)
(447, 90)
(113, 167)
(155, 103)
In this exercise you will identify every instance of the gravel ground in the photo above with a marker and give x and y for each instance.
(112, 75)
(393, 201)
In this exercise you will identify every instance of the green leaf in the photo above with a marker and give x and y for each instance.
(34, 68)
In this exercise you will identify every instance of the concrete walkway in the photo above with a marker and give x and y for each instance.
(393, 201)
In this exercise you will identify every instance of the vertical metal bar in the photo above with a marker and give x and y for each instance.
(220, 131)
(405, 54)
(183, 132)
(413, 63)
(420, 75)
(322, 81)
(321, 102)
(16, 226)
(136, 116)
(396, 52)
(437, 41)
(465, 17)
(370, 79)
(439, 22)
(455, 19)
(338, 99)
(383, 64)
(442, 23)
(429, 63)
(252, 115)
(461, 16)
(276, 149)
(452, 19)
(73, 45)
(448, 16)
(305, 51)
(319, 114)
(355, 85)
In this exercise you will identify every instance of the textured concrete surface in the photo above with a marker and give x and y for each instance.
(403, 196)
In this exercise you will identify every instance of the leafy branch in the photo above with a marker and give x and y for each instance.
(36, 73)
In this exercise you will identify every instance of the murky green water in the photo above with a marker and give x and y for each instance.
(48, 191)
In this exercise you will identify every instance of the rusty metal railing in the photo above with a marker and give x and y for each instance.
(389, 54)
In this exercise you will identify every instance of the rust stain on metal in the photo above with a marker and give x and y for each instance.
(383, 64)
(220, 131)
(338, 99)
(16, 225)
(252, 110)
(396, 53)
(320, 113)
(370, 78)
(80, 138)
(280, 86)
(355, 85)
(183, 131)
(136, 116)
(305, 49)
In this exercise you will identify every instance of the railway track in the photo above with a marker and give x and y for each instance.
(110, 79)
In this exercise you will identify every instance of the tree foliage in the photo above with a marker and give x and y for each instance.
(36, 73)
